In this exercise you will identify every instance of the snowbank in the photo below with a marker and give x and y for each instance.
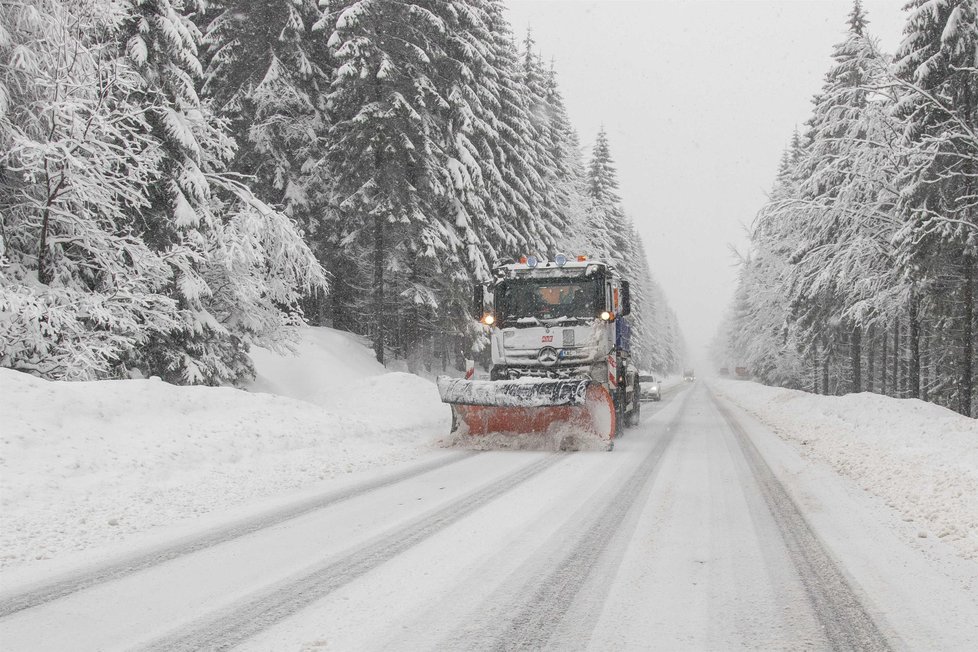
(338, 371)
(920, 458)
(90, 463)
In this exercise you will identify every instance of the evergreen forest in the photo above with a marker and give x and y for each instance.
(181, 180)
(861, 270)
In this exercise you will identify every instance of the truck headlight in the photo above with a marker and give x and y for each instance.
(599, 372)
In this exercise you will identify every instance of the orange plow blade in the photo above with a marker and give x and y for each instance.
(572, 407)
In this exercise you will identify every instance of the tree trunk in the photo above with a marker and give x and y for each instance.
(379, 317)
(913, 380)
(870, 359)
(896, 357)
(43, 275)
(883, 364)
(815, 369)
(967, 382)
(855, 348)
(825, 368)
(924, 368)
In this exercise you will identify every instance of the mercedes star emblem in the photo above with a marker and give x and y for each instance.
(548, 356)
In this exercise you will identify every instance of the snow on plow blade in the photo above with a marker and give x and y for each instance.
(481, 407)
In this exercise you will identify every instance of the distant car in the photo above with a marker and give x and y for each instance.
(689, 376)
(724, 371)
(650, 390)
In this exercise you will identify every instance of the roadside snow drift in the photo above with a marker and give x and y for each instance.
(89, 463)
(922, 459)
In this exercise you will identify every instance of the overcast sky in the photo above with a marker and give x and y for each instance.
(699, 99)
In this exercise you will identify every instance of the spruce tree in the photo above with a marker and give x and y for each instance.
(267, 69)
(545, 230)
(79, 290)
(237, 264)
(384, 159)
(608, 226)
(936, 65)
(612, 237)
(841, 186)
(162, 46)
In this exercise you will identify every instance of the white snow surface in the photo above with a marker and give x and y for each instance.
(920, 458)
(89, 464)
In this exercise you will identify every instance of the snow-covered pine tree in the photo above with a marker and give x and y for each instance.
(937, 69)
(384, 159)
(677, 344)
(657, 341)
(267, 70)
(514, 190)
(843, 223)
(652, 343)
(757, 331)
(556, 174)
(238, 267)
(611, 236)
(871, 220)
(608, 227)
(544, 107)
(161, 45)
(79, 291)
(569, 181)
(472, 227)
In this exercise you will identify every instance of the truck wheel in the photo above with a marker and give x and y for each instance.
(636, 414)
(619, 413)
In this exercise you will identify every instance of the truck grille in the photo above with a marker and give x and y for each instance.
(549, 372)
(528, 357)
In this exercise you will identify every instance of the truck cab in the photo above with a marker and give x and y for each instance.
(561, 319)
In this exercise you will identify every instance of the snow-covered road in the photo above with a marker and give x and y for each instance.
(702, 530)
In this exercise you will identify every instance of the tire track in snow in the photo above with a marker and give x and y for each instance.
(232, 625)
(528, 614)
(846, 623)
(127, 565)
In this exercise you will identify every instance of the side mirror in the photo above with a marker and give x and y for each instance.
(626, 298)
(479, 301)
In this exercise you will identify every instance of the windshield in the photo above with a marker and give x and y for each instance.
(646, 379)
(527, 302)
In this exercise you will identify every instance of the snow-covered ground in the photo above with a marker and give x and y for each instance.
(702, 530)
(920, 458)
(83, 465)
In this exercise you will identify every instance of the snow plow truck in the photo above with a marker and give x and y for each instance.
(560, 354)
